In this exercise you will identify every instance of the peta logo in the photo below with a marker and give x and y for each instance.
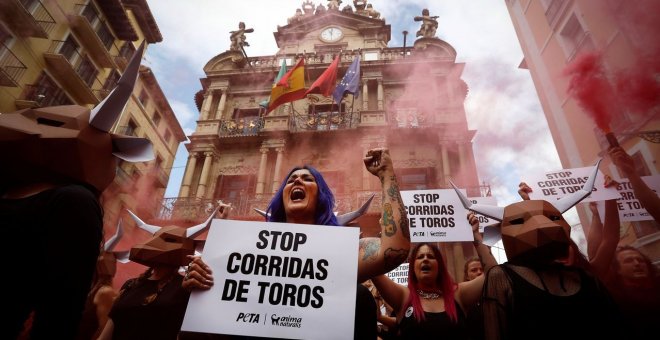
(285, 321)
(248, 317)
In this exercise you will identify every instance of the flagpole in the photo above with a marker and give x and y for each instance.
(350, 125)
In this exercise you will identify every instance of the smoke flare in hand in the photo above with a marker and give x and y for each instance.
(591, 88)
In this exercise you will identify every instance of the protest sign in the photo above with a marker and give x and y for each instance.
(554, 185)
(277, 280)
(436, 216)
(399, 274)
(630, 209)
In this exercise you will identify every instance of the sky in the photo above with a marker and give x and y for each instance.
(512, 137)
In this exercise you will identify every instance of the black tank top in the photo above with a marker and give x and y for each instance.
(435, 326)
(535, 313)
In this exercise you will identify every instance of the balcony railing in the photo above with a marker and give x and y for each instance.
(246, 126)
(375, 54)
(11, 68)
(325, 121)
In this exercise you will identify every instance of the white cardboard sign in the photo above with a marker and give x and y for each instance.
(630, 209)
(399, 274)
(554, 185)
(436, 216)
(277, 280)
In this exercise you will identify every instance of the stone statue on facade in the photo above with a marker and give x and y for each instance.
(371, 12)
(359, 5)
(429, 24)
(347, 9)
(296, 17)
(320, 9)
(238, 37)
(334, 4)
(308, 7)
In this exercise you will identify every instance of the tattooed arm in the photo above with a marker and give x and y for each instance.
(380, 255)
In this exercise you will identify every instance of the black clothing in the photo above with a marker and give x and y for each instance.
(366, 326)
(533, 312)
(52, 242)
(640, 308)
(161, 319)
(434, 326)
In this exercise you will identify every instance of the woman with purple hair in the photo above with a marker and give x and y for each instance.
(305, 198)
(433, 305)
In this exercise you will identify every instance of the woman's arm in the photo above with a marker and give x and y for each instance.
(647, 197)
(380, 255)
(468, 293)
(394, 294)
(103, 301)
(609, 238)
(107, 331)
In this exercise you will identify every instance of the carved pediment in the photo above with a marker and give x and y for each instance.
(298, 29)
(225, 61)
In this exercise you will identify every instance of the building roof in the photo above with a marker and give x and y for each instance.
(145, 19)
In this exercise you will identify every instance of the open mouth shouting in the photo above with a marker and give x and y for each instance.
(300, 197)
(297, 194)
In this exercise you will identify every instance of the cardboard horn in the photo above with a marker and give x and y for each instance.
(105, 114)
(569, 201)
(262, 213)
(193, 231)
(492, 211)
(152, 229)
(347, 218)
(114, 240)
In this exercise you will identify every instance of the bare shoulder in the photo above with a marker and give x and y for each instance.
(105, 293)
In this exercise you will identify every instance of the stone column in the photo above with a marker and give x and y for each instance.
(462, 161)
(261, 177)
(365, 94)
(278, 166)
(380, 94)
(221, 105)
(203, 178)
(446, 171)
(187, 177)
(206, 106)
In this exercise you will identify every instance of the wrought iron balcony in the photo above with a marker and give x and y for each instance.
(11, 69)
(74, 71)
(27, 18)
(324, 121)
(94, 33)
(247, 126)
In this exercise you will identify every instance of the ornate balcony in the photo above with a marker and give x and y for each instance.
(324, 121)
(246, 126)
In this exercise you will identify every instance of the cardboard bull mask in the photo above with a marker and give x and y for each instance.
(71, 143)
(534, 231)
(169, 245)
(106, 263)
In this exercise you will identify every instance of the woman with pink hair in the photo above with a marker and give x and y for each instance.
(433, 304)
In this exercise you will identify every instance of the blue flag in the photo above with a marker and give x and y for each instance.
(350, 83)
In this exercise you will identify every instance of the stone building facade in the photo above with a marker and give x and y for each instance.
(411, 101)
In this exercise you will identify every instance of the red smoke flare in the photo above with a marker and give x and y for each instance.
(591, 88)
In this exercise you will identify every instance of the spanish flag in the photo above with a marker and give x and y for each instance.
(290, 87)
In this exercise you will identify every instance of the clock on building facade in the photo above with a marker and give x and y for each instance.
(332, 34)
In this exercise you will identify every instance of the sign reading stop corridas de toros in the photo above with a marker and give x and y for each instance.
(436, 216)
(399, 274)
(277, 280)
